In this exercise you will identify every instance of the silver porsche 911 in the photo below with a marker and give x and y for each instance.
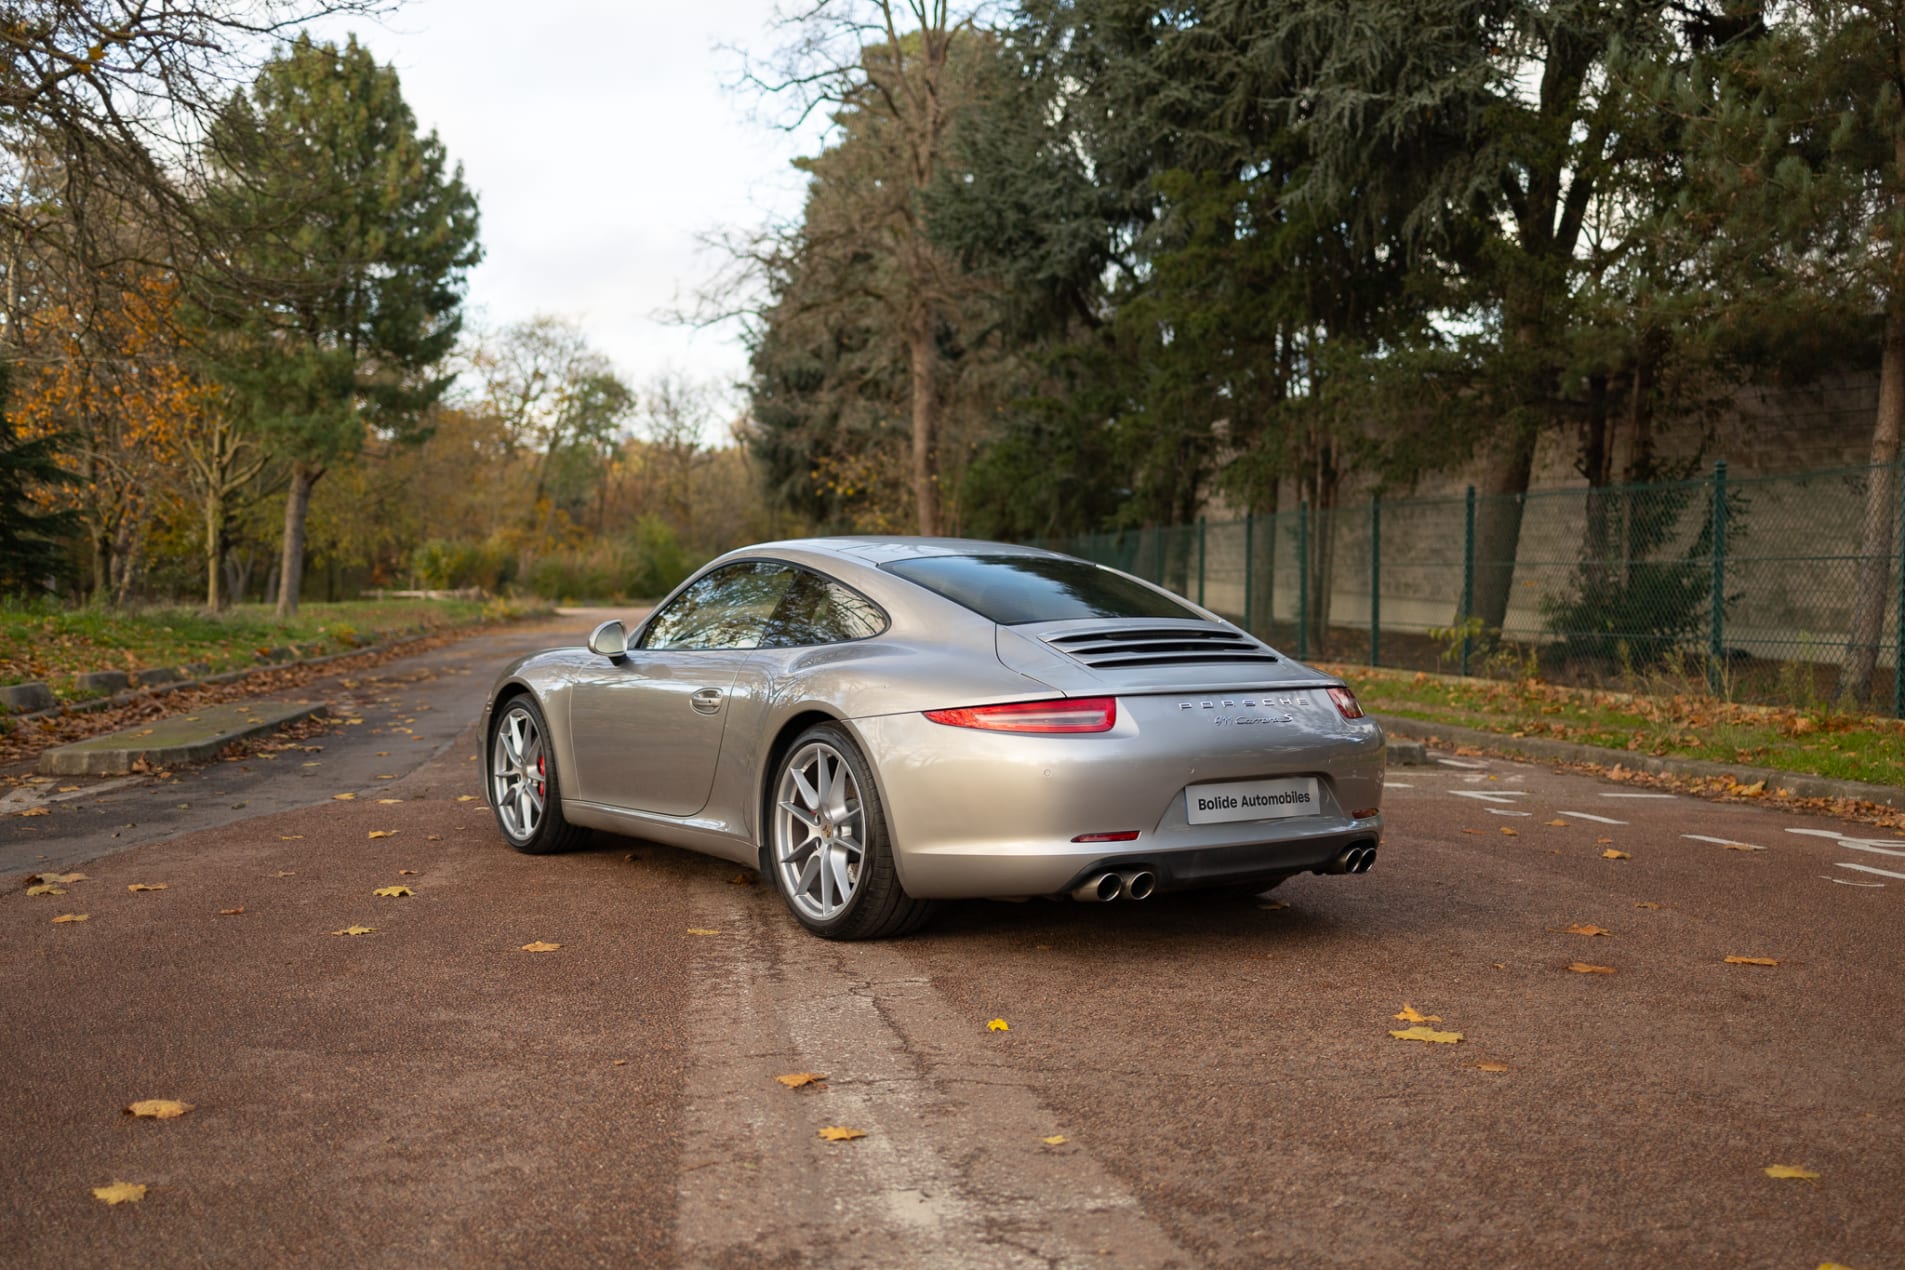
(880, 724)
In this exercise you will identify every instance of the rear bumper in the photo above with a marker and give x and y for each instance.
(973, 814)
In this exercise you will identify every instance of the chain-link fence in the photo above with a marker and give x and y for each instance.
(1780, 589)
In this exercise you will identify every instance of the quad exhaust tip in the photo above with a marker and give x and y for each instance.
(1128, 884)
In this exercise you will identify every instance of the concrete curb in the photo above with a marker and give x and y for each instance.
(180, 739)
(1546, 750)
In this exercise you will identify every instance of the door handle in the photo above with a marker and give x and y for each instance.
(706, 700)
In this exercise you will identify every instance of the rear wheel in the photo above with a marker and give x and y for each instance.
(827, 844)
(523, 787)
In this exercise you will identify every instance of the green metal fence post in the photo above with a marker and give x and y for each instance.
(1716, 605)
(1250, 567)
(1468, 574)
(1375, 582)
(1898, 632)
(1302, 581)
(1200, 559)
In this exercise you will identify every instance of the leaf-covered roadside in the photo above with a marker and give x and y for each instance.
(42, 642)
(1820, 741)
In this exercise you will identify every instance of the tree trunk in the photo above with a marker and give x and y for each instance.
(919, 340)
(1881, 508)
(297, 505)
(214, 548)
(1498, 510)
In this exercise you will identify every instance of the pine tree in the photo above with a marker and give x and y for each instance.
(29, 533)
(354, 235)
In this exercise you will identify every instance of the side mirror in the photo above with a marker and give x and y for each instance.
(609, 640)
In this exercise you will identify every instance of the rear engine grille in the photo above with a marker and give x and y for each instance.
(1109, 650)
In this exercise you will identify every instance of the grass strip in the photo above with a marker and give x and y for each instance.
(51, 644)
(1821, 740)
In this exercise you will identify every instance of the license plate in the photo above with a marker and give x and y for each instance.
(1272, 799)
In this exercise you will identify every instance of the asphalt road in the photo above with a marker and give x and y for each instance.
(1221, 1069)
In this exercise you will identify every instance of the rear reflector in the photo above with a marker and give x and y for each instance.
(1123, 835)
(1079, 714)
(1365, 813)
(1346, 704)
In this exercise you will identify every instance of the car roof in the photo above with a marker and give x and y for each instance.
(879, 550)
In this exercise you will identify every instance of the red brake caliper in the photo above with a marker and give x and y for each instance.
(542, 769)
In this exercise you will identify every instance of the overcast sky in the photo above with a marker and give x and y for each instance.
(601, 139)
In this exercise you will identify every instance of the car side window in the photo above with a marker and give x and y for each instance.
(818, 610)
(728, 608)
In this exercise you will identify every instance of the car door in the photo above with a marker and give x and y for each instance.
(646, 732)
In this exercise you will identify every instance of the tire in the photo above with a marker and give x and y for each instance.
(524, 787)
(827, 847)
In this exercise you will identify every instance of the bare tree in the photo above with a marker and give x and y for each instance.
(890, 61)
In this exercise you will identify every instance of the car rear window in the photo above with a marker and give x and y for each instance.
(1015, 589)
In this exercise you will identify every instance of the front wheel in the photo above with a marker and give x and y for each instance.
(827, 844)
(524, 789)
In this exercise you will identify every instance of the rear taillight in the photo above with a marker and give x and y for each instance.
(1080, 714)
(1346, 703)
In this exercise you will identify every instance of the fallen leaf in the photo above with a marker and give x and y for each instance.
(120, 1192)
(741, 879)
(1559, 824)
(433, 837)
(1582, 968)
(1410, 1015)
(290, 837)
(699, 930)
(1736, 846)
(388, 801)
(393, 892)
(382, 754)
(1510, 833)
(840, 1133)
(620, 1062)
(147, 886)
(1751, 791)
(540, 946)
(1473, 831)
(285, 873)
(61, 879)
(46, 888)
(794, 1080)
(466, 798)
(1273, 906)
(386, 777)
(382, 833)
(37, 811)
(1645, 904)
(1795, 1172)
(1426, 1034)
(67, 789)
(1612, 854)
(1580, 928)
(406, 873)
(70, 917)
(355, 930)
(342, 798)
(998, 1025)
(1600, 842)
(1491, 1067)
(231, 912)
(1751, 961)
(1056, 1140)
(159, 1108)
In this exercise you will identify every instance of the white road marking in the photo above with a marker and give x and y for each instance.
(1882, 846)
(1850, 882)
(1450, 762)
(1502, 811)
(1866, 868)
(1397, 785)
(1724, 842)
(1490, 795)
(1637, 795)
(1588, 815)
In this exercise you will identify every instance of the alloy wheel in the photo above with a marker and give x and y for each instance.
(819, 831)
(519, 774)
